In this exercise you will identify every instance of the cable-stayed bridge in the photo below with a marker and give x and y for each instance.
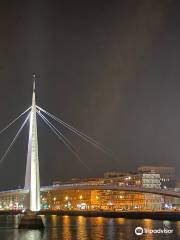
(32, 179)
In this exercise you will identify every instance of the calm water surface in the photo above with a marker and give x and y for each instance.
(80, 228)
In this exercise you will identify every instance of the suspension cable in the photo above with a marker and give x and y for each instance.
(66, 141)
(12, 122)
(14, 140)
(79, 133)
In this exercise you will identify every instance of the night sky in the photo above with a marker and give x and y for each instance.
(109, 68)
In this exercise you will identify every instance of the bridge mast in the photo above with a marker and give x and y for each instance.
(32, 180)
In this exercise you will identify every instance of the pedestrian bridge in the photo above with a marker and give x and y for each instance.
(110, 187)
(113, 187)
(32, 179)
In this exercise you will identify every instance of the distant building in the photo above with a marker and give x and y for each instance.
(115, 174)
(151, 180)
(80, 181)
(124, 180)
(167, 174)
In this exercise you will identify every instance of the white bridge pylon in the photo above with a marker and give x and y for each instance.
(32, 179)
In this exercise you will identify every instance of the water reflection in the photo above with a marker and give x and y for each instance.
(120, 220)
(81, 228)
(178, 228)
(54, 220)
(66, 227)
(27, 234)
(95, 228)
(111, 228)
(148, 224)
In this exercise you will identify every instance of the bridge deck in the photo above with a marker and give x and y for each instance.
(163, 192)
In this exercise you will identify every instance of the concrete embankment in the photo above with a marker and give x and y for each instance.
(161, 215)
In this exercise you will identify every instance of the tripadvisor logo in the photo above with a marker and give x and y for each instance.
(139, 231)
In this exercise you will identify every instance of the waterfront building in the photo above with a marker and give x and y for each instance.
(79, 200)
(167, 174)
(66, 198)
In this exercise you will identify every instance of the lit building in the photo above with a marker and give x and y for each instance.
(151, 180)
(85, 198)
(79, 200)
(123, 179)
(79, 180)
(167, 174)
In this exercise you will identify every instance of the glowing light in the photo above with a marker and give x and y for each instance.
(109, 203)
(83, 205)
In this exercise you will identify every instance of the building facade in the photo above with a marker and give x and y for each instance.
(167, 174)
(54, 198)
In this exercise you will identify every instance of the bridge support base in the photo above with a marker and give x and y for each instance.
(30, 220)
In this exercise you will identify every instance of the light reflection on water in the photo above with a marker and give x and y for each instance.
(81, 228)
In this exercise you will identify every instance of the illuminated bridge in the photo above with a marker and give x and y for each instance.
(170, 193)
(113, 187)
(91, 196)
(73, 196)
